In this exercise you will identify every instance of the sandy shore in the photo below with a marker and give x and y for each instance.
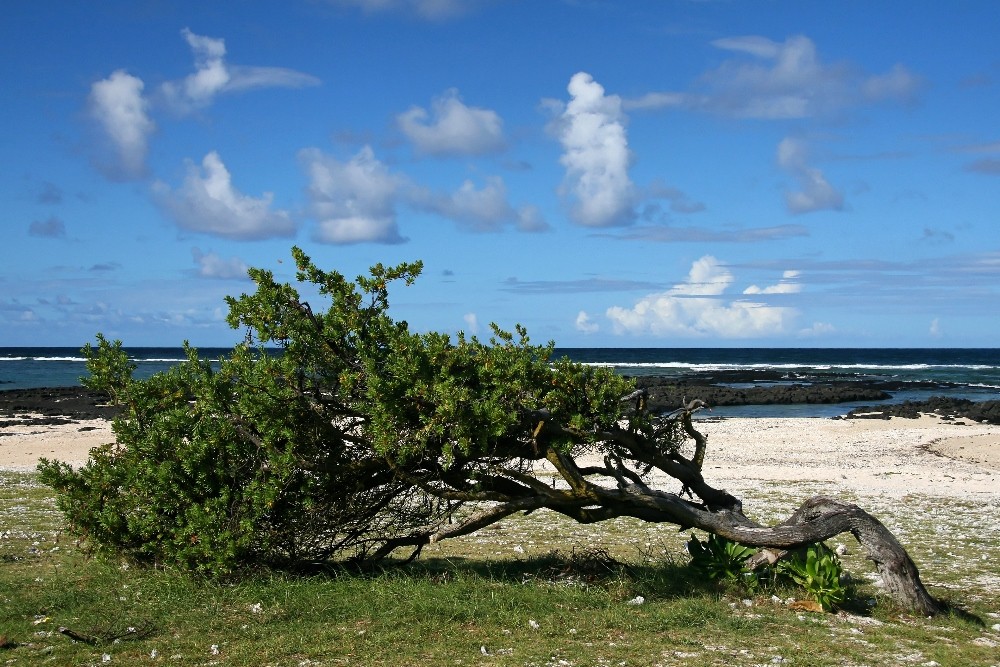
(888, 458)
(891, 458)
(22, 445)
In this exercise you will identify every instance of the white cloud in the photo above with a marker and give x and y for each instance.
(482, 210)
(121, 112)
(817, 330)
(815, 192)
(596, 155)
(207, 202)
(585, 324)
(211, 265)
(213, 75)
(697, 308)
(788, 80)
(353, 201)
(118, 107)
(452, 128)
(471, 323)
(787, 285)
(898, 83)
(210, 76)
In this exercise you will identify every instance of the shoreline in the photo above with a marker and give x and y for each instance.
(21, 446)
(890, 458)
(890, 452)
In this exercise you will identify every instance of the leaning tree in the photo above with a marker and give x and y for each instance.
(341, 434)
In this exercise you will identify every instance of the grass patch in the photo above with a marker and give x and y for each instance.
(534, 590)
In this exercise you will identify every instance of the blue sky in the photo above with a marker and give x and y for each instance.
(607, 173)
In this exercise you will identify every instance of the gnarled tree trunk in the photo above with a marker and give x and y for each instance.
(619, 488)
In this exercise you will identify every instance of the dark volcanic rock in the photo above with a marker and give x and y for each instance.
(980, 411)
(56, 405)
(667, 394)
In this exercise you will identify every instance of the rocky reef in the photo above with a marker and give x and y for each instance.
(730, 388)
(54, 405)
(987, 412)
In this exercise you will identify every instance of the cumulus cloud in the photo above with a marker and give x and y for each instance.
(207, 202)
(815, 192)
(584, 324)
(483, 209)
(53, 228)
(787, 285)
(121, 114)
(697, 308)
(452, 128)
(353, 201)
(210, 76)
(213, 76)
(596, 156)
(356, 201)
(211, 265)
(120, 110)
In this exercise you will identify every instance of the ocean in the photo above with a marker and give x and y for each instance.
(918, 373)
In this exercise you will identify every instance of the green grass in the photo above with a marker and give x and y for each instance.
(502, 590)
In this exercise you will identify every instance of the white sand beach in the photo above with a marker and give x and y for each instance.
(22, 445)
(866, 457)
(886, 458)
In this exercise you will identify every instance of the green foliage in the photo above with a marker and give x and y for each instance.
(721, 559)
(321, 435)
(110, 368)
(818, 570)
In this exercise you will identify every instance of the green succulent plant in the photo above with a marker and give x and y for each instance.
(818, 570)
(722, 559)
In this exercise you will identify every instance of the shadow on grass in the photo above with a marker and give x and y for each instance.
(591, 568)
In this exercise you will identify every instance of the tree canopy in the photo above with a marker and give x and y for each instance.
(340, 434)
